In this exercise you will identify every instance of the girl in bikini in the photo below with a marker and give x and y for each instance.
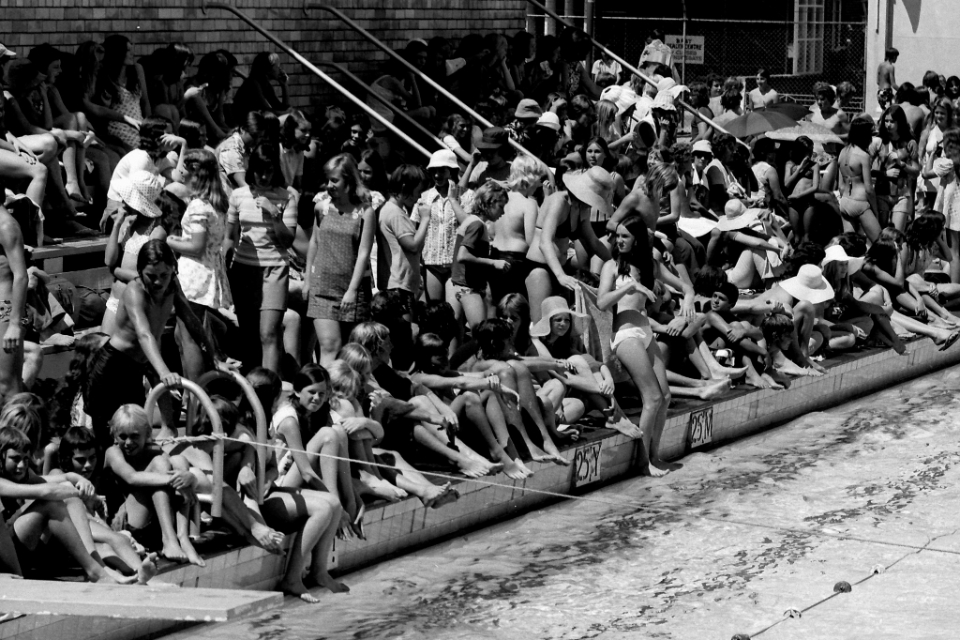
(898, 160)
(858, 202)
(627, 282)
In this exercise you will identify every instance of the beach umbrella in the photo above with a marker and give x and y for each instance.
(790, 109)
(757, 122)
(817, 133)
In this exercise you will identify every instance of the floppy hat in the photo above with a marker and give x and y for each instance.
(140, 191)
(808, 285)
(7, 53)
(697, 227)
(493, 138)
(702, 146)
(736, 216)
(527, 108)
(593, 187)
(444, 158)
(555, 306)
(836, 253)
(664, 102)
(549, 120)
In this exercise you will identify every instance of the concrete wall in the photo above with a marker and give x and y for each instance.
(927, 33)
(154, 23)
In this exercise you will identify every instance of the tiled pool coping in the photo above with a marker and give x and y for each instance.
(395, 528)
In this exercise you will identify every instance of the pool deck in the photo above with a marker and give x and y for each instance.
(602, 456)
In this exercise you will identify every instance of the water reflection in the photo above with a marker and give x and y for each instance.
(883, 468)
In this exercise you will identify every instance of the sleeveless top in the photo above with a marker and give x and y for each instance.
(127, 103)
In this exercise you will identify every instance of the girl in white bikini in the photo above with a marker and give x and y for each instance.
(858, 202)
(627, 282)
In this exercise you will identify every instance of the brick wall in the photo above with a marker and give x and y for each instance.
(317, 36)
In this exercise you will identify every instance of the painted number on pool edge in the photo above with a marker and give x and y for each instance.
(701, 427)
(586, 464)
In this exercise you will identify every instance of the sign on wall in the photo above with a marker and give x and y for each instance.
(689, 51)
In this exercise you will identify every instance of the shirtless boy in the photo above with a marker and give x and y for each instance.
(147, 303)
(886, 72)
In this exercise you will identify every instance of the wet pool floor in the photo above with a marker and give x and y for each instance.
(886, 468)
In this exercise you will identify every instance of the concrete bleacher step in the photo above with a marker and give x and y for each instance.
(133, 601)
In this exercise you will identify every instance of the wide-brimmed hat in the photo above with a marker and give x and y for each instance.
(494, 138)
(140, 191)
(527, 109)
(663, 102)
(444, 158)
(737, 216)
(593, 187)
(555, 306)
(702, 146)
(808, 285)
(836, 253)
(697, 227)
(550, 120)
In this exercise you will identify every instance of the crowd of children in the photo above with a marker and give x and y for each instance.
(466, 316)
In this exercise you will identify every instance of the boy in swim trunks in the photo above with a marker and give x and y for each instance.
(725, 330)
(133, 350)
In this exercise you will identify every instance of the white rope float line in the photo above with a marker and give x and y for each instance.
(566, 496)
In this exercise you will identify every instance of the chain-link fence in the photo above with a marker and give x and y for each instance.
(796, 55)
(740, 48)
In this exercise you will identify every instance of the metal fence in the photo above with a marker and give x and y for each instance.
(740, 48)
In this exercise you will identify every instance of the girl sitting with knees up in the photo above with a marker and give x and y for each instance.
(316, 454)
(158, 489)
(391, 412)
(77, 454)
(314, 516)
(557, 335)
(362, 433)
(472, 398)
(245, 520)
(434, 423)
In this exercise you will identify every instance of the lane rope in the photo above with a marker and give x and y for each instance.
(611, 503)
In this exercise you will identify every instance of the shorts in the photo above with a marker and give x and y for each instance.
(270, 295)
(115, 379)
(643, 334)
(851, 208)
(442, 272)
(513, 281)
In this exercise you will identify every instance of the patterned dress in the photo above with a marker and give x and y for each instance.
(127, 103)
(332, 268)
(204, 279)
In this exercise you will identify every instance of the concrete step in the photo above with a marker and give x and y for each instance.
(132, 601)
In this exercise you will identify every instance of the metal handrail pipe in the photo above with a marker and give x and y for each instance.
(626, 65)
(412, 69)
(317, 72)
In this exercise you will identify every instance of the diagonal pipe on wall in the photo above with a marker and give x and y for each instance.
(307, 5)
(626, 65)
(397, 111)
(317, 72)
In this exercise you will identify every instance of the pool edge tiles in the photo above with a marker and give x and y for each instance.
(404, 526)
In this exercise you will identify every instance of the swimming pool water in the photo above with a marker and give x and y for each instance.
(886, 467)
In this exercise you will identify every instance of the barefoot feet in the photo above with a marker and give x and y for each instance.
(147, 569)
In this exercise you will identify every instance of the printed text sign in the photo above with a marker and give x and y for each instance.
(586, 464)
(701, 427)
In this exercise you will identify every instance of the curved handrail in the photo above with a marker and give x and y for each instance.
(626, 65)
(397, 111)
(259, 414)
(317, 72)
(216, 509)
(393, 54)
